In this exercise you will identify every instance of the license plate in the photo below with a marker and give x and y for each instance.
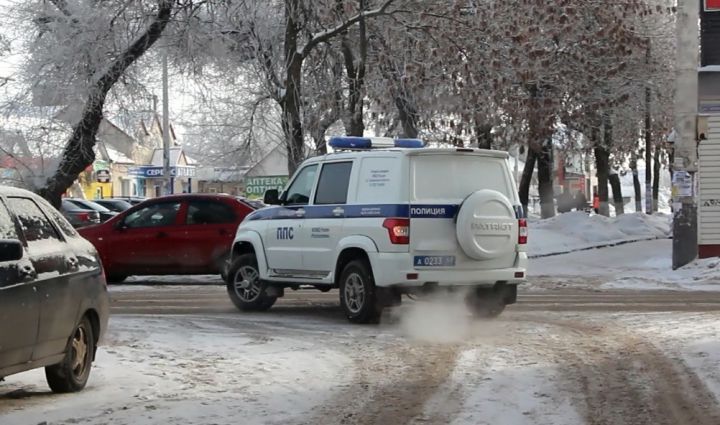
(434, 261)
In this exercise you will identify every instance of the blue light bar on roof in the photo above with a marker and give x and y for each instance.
(355, 142)
(350, 142)
(409, 143)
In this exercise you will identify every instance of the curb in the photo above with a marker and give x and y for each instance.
(605, 245)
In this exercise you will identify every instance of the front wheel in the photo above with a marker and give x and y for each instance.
(244, 287)
(73, 372)
(358, 295)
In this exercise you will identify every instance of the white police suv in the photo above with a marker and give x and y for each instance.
(381, 218)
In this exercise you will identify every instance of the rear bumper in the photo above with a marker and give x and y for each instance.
(392, 269)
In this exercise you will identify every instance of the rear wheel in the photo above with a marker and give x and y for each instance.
(358, 294)
(73, 372)
(485, 303)
(244, 286)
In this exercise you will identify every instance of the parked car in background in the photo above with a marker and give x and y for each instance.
(79, 216)
(175, 234)
(255, 203)
(53, 295)
(133, 200)
(105, 214)
(117, 205)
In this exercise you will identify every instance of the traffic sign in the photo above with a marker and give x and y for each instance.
(102, 176)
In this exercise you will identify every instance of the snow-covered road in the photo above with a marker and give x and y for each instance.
(575, 350)
(428, 364)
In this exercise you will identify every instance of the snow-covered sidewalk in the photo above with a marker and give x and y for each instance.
(643, 265)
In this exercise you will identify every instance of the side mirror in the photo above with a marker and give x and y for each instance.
(120, 225)
(272, 197)
(10, 250)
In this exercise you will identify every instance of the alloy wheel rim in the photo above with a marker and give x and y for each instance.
(246, 284)
(354, 293)
(80, 352)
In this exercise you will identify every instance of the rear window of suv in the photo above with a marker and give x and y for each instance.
(457, 176)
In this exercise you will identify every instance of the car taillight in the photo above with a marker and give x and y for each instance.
(398, 230)
(522, 231)
(83, 216)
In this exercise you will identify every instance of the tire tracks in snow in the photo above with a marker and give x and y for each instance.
(626, 379)
(390, 386)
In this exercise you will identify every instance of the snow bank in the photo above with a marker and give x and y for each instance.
(576, 231)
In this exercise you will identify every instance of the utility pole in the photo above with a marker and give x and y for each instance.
(648, 141)
(685, 164)
(166, 129)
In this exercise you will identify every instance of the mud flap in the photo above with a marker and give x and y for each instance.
(507, 292)
(388, 297)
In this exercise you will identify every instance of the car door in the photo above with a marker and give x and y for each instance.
(285, 237)
(55, 264)
(19, 302)
(207, 234)
(324, 222)
(145, 241)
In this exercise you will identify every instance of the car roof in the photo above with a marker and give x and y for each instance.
(192, 196)
(15, 191)
(350, 154)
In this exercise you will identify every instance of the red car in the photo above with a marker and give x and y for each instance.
(176, 234)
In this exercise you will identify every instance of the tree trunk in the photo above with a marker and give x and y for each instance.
(408, 115)
(483, 134)
(602, 166)
(290, 102)
(636, 186)
(614, 179)
(355, 125)
(545, 181)
(656, 179)
(526, 180)
(79, 149)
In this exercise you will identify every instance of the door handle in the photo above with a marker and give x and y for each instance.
(338, 212)
(27, 272)
(300, 213)
(73, 263)
(162, 235)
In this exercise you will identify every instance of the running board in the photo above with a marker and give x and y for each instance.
(298, 274)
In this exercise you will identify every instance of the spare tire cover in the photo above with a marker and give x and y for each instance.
(486, 225)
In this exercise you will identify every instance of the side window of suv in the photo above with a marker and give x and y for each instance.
(34, 223)
(333, 185)
(299, 191)
(209, 212)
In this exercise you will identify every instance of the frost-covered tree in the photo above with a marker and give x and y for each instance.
(77, 52)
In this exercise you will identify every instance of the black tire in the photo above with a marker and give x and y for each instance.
(73, 372)
(247, 296)
(116, 278)
(485, 303)
(222, 265)
(358, 294)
